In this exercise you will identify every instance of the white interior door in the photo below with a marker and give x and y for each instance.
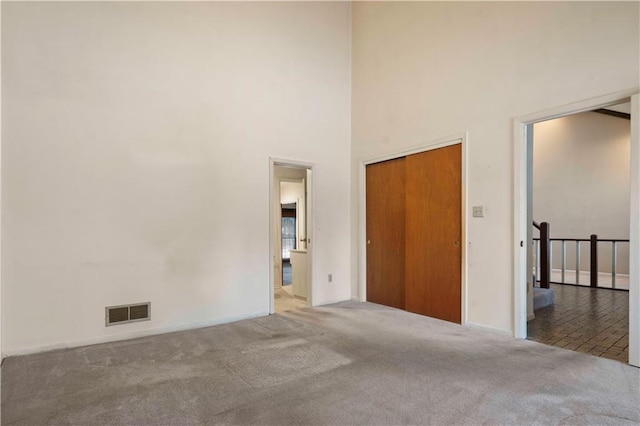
(308, 226)
(301, 222)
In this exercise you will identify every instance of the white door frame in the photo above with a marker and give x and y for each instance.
(520, 210)
(310, 214)
(460, 138)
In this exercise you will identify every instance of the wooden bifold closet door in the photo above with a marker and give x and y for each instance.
(414, 233)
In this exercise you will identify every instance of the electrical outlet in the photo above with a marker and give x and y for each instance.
(330, 278)
(478, 211)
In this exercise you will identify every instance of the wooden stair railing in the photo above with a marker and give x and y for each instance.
(544, 265)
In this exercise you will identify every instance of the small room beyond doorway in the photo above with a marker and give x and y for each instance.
(289, 238)
(291, 261)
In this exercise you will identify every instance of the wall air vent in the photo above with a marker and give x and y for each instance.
(127, 313)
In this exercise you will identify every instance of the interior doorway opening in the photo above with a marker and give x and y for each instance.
(290, 241)
(578, 231)
(522, 234)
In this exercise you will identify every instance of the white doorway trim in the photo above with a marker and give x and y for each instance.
(273, 202)
(460, 138)
(520, 211)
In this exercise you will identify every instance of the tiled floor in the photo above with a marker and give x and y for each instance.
(287, 273)
(593, 321)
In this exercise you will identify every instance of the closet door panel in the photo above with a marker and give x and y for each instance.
(385, 207)
(433, 233)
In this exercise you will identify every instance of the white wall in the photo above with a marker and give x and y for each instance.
(135, 166)
(290, 192)
(425, 70)
(581, 184)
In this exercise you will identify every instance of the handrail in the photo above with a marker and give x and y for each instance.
(536, 224)
(600, 240)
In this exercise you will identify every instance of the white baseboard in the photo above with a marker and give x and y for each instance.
(531, 317)
(586, 273)
(329, 302)
(490, 329)
(27, 350)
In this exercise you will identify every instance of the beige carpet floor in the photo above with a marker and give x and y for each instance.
(348, 363)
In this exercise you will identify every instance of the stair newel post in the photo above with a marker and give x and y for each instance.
(594, 260)
(545, 255)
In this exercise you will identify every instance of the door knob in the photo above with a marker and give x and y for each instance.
(457, 244)
(368, 241)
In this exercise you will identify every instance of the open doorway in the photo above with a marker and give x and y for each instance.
(291, 214)
(578, 203)
(523, 227)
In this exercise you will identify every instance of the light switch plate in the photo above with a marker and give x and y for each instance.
(478, 211)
